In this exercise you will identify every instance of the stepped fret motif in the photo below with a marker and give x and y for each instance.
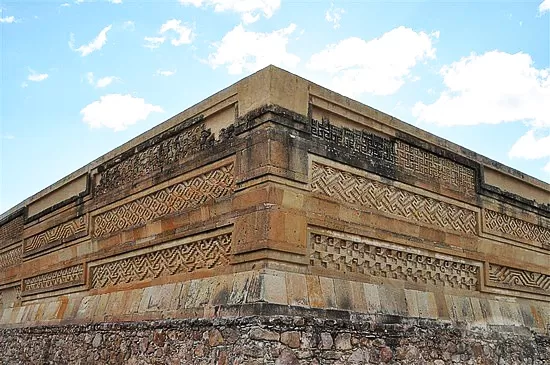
(354, 189)
(355, 141)
(187, 194)
(370, 260)
(516, 228)
(56, 235)
(11, 257)
(517, 279)
(202, 254)
(63, 278)
(432, 168)
(160, 152)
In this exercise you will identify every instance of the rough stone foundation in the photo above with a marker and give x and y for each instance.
(272, 340)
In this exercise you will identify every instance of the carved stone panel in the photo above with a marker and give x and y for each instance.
(186, 194)
(57, 235)
(517, 279)
(11, 257)
(502, 224)
(11, 231)
(354, 189)
(429, 167)
(370, 259)
(189, 257)
(58, 279)
(156, 154)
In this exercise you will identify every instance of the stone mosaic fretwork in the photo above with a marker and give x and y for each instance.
(514, 228)
(201, 254)
(58, 279)
(369, 259)
(157, 153)
(401, 156)
(11, 231)
(354, 189)
(517, 279)
(186, 194)
(359, 142)
(11, 257)
(56, 235)
(432, 168)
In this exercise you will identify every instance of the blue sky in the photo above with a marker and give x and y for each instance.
(80, 78)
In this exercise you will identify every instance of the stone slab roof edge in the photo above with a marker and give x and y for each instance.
(283, 77)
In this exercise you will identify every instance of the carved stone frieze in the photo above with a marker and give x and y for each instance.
(11, 231)
(201, 254)
(11, 257)
(354, 189)
(502, 224)
(517, 279)
(186, 194)
(157, 154)
(58, 279)
(369, 259)
(431, 168)
(57, 235)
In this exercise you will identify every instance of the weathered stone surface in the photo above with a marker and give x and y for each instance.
(199, 342)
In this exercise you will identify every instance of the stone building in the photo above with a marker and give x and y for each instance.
(278, 222)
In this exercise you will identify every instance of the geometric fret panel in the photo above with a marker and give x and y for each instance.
(11, 257)
(187, 194)
(56, 235)
(58, 279)
(368, 259)
(434, 169)
(202, 254)
(11, 231)
(516, 228)
(354, 189)
(517, 279)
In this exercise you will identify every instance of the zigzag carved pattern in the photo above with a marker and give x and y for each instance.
(203, 254)
(57, 233)
(190, 193)
(11, 257)
(516, 228)
(65, 277)
(519, 279)
(355, 189)
(371, 260)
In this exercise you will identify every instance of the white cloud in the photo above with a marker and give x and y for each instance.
(532, 145)
(334, 15)
(379, 66)
(547, 167)
(185, 33)
(492, 88)
(240, 50)
(36, 77)
(7, 19)
(115, 1)
(165, 72)
(7, 136)
(153, 42)
(249, 10)
(101, 82)
(544, 6)
(65, 5)
(117, 112)
(129, 25)
(24, 84)
(94, 45)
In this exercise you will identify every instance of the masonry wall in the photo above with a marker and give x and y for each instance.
(277, 191)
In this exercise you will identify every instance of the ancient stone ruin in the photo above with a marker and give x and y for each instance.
(277, 222)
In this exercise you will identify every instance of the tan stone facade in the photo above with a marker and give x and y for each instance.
(276, 190)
